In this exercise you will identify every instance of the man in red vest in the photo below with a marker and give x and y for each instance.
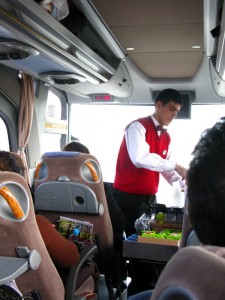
(143, 155)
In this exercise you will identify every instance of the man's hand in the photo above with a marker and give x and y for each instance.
(181, 171)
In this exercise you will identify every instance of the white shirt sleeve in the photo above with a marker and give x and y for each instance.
(172, 177)
(138, 150)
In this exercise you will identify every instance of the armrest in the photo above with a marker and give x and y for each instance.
(11, 268)
(88, 251)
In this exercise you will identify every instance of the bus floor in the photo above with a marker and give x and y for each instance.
(144, 275)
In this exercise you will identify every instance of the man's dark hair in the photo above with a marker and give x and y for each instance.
(206, 186)
(11, 162)
(77, 147)
(168, 95)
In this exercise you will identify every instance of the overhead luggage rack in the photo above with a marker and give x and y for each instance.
(59, 49)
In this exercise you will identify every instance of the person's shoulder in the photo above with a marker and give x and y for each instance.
(137, 123)
(42, 220)
(146, 122)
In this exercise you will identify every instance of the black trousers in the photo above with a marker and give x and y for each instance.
(133, 206)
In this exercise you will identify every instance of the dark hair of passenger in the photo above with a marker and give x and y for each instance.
(206, 186)
(76, 147)
(11, 163)
(168, 95)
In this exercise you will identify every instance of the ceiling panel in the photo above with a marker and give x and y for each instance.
(161, 32)
(160, 38)
(149, 12)
(168, 64)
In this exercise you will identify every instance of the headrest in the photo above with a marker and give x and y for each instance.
(190, 274)
(61, 153)
(67, 166)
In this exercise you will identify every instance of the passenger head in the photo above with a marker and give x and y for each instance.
(11, 162)
(167, 105)
(206, 186)
(77, 147)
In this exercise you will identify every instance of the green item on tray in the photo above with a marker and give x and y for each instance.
(174, 236)
(149, 233)
(160, 217)
(163, 234)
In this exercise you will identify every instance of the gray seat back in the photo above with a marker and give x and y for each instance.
(189, 236)
(193, 239)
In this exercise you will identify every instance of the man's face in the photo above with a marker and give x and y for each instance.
(165, 114)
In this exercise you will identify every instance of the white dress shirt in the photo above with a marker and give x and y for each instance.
(138, 150)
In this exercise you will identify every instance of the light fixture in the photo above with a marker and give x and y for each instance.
(130, 49)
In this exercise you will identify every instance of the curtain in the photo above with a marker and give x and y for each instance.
(25, 117)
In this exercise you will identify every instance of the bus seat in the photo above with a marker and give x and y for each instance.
(189, 236)
(70, 184)
(64, 185)
(19, 232)
(193, 273)
(193, 239)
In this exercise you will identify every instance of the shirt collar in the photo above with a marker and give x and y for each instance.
(156, 123)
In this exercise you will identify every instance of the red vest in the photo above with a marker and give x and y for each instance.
(139, 180)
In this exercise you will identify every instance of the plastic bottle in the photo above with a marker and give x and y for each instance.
(75, 235)
(143, 223)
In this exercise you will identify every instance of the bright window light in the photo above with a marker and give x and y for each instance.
(101, 129)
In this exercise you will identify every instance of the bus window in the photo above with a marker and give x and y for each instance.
(55, 124)
(4, 141)
(50, 142)
(103, 132)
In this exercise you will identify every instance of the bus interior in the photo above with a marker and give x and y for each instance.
(81, 70)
